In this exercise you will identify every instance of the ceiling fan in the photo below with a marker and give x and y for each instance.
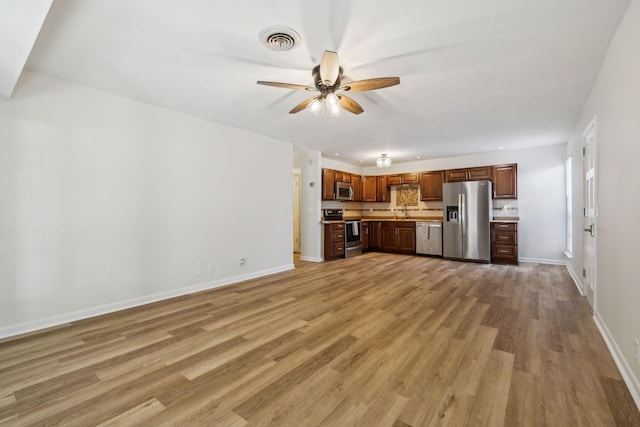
(327, 78)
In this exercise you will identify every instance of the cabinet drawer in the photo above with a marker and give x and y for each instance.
(338, 236)
(509, 226)
(505, 251)
(338, 249)
(505, 237)
(339, 226)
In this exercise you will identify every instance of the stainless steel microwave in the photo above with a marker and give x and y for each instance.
(344, 191)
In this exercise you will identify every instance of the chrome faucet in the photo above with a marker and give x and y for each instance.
(405, 211)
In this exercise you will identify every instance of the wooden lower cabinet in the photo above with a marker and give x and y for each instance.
(375, 235)
(399, 236)
(364, 235)
(333, 241)
(504, 243)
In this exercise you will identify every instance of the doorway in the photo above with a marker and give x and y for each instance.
(589, 154)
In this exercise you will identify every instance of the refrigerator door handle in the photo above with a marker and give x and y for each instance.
(463, 217)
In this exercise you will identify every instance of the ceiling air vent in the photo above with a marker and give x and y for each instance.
(279, 38)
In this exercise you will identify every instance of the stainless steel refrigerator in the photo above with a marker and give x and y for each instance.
(466, 230)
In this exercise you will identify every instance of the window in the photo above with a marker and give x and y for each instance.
(569, 207)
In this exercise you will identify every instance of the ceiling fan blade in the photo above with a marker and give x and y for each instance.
(286, 85)
(370, 84)
(350, 105)
(304, 104)
(329, 68)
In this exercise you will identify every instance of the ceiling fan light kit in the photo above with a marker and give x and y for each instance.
(327, 79)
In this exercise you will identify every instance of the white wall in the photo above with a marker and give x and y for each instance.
(541, 193)
(615, 101)
(106, 202)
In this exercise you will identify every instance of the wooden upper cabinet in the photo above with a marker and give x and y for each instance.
(382, 190)
(369, 188)
(431, 186)
(343, 176)
(411, 178)
(328, 184)
(456, 175)
(479, 174)
(356, 182)
(469, 174)
(394, 179)
(505, 181)
(405, 178)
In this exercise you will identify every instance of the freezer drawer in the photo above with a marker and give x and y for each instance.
(429, 238)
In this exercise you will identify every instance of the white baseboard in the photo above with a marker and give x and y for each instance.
(576, 279)
(31, 326)
(542, 261)
(625, 370)
(310, 259)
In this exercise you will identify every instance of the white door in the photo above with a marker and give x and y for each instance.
(296, 213)
(590, 212)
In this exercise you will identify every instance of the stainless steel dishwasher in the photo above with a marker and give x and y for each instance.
(429, 238)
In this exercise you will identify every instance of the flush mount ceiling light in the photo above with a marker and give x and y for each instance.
(383, 161)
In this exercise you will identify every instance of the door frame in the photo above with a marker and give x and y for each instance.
(297, 193)
(589, 271)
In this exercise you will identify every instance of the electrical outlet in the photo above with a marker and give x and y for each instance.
(242, 261)
(636, 350)
(209, 268)
(197, 270)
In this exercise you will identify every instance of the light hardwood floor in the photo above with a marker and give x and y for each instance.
(376, 340)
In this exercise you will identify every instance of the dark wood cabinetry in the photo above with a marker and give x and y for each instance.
(468, 174)
(382, 189)
(376, 188)
(369, 188)
(375, 235)
(328, 184)
(431, 186)
(364, 235)
(333, 241)
(356, 182)
(398, 236)
(504, 242)
(505, 181)
(405, 178)
(342, 176)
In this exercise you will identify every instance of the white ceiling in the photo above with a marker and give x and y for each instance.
(475, 75)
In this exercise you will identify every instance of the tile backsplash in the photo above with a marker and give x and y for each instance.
(410, 196)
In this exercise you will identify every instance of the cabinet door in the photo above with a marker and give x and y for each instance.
(381, 189)
(505, 181)
(456, 175)
(365, 235)
(375, 235)
(479, 174)
(328, 184)
(369, 188)
(394, 179)
(407, 239)
(356, 182)
(389, 237)
(411, 178)
(431, 186)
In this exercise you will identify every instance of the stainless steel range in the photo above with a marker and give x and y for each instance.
(353, 238)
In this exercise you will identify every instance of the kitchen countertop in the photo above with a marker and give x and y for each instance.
(506, 219)
(410, 219)
(415, 219)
